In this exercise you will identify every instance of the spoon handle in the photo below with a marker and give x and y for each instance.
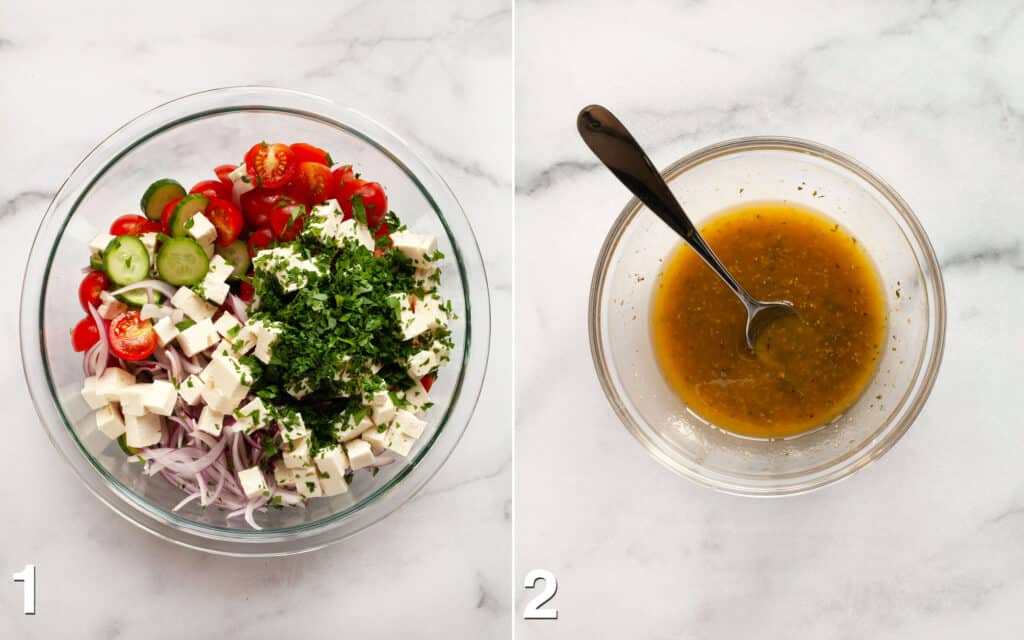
(614, 146)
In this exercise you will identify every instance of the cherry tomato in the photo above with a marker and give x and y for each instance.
(308, 153)
(343, 174)
(427, 381)
(257, 205)
(313, 183)
(287, 220)
(272, 165)
(84, 335)
(223, 171)
(347, 189)
(133, 225)
(213, 189)
(246, 292)
(165, 215)
(260, 239)
(374, 201)
(131, 337)
(226, 218)
(93, 284)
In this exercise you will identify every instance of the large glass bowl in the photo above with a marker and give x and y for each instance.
(185, 139)
(707, 182)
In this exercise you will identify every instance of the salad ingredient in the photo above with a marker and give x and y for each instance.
(258, 203)
(226, 219)
(213, 189)
(224, 171)
(308, 153)
(260, 239)
(237, 255)
(126, 260)
(157, 196)
(133, 225)
(183, 212)
(85, 334)
(271, 165)
(93, 284)
(314, 183)
(182, 261)
(131, 337)
(286, 220)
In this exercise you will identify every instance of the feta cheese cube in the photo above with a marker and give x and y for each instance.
(333, 485)
(417, 247)
(331, 462)
(356, 230)
(229, 376)
(91, 394)
(109, 422)
(241, 183)
(293, 427)
(133, 399)
(165, 331)
(383, 412)
(265, 337)
(194, 307)
(199, 337)
(110, 307)
(201, 230)
(253, 415)
(284, 476)
(220, 401)
(379, 440)
(288, 267)
(417, 397)
(160, 398)
(150, 311)
(406, 422)
(216, 292)
(244, 341)
(326, 223)
(430, 313)
(227, 326)
(307, 484)
(299, 390)
(111, 382)
(421, 363)
(254, 484)
(211, 421)
(219, 269)
(98, 244)
(190, 390)
(408, 323)
(296, 453)
(143, 431)
(350, 430)
(359, 454)
(149, 241)
(401, 443)
(425, 278)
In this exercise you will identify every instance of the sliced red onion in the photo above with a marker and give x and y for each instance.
(152, 285)
(238, 306)
(104, 353)
(188, 499)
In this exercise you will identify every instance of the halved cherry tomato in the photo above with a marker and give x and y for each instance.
(313, 183)
(246, 292)
(345, 190)
(227, 219)
(131, 337)
(84, 335)
(343, 174)
(308, 153)
(165, 215)
(260, 239)
(133, 225)
(213, 189)
(272, 165)
(93, 284)
(287, 219)
(223, 171)
(257, 205)
(374, 202)
(427, 381)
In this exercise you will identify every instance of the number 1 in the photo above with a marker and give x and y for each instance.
(28, 577)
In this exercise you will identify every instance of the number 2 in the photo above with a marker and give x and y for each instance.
(533, 609)
(28, 577)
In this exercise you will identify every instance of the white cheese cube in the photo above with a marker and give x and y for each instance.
(227, 375)
(408, 323)
(350, 430)
(109, 422)
(111, 381)
(379, 440)
(194, 307)
(333, 485)
(293, 427)
(241, 183)
(149, 241)
(201, 229)
(284, 476)
(401, 443)
(253, 415)
(254, 484)
(384, 412)
(425, 278)
(160, 398)
(332, 463)
(216, 292)
(296, 453)
(133, 398)
(244, 341)
(417, 397)
(211, 421)
(165, 331)
(430, 313)
(406, 422)
(199, 337)
(307, 484)
(417, 247)
(191, 389)
(359, 454)
(227, 326)
(220, 401)
(299, 390)
(421, 363)
(352, 228)
(91, 394)
(219, 270)
(98, 244)
(290, 269)
(265, 337)
(150, 311)
(143, 431)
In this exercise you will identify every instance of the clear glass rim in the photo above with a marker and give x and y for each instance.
(910, 406)
(416, 472)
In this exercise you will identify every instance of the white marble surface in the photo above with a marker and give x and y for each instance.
(926, 543)
(441, 75)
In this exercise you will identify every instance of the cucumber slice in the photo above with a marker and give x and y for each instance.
(182, 262)
(126, 260)
(237, 254)
(139, 297)
(158, 195)
(187, 207)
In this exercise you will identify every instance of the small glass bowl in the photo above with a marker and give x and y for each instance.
(185, 139)
(707, 182)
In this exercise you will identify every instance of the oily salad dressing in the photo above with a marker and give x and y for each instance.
(263, 337)
(808, 368)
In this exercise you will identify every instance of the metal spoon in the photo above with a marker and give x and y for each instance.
(613, 145)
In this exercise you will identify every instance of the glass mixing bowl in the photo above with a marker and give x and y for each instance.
(748, 170)
(185, 139)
